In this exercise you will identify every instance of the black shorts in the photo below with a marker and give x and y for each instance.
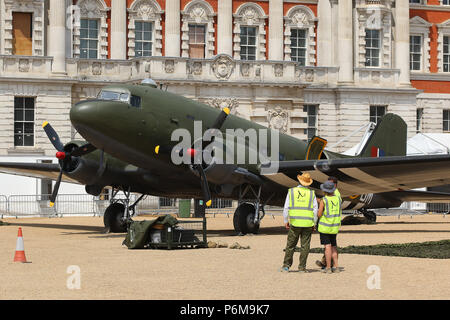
(326, 238)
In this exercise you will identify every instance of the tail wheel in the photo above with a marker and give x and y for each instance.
(243, 219)
(113, 218)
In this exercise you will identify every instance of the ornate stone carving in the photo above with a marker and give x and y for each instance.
(245, 69)
(278, 70)
(198, 14)
(169, 66)
(146, 10)
(96, 69)
(223, 67)
(89, 8)
(250, 16)
(220, 103)
(300, 19)
(309, 75)
(24, 65)
(195, 68)
(278, 119)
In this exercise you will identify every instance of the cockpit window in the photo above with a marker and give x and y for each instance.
(109, 95)
(115, 96)
(135, 101)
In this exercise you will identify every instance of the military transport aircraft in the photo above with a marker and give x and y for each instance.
(129, 132)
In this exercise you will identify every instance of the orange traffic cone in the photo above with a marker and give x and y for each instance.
(20, 251)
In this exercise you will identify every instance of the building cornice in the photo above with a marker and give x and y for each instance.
(429, 7)
(431, 77)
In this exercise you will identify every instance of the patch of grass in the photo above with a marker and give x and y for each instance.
(431, 249)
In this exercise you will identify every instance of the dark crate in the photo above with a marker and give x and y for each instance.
(186, 234)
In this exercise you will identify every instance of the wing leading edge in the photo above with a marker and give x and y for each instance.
(368, 175)
(34, 170)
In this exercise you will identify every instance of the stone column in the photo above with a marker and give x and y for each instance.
(225, 27)
(172, 34)
(119, 29)
(57, 35)
(276, 34)
(402, 40)
(345, 41)
(324, 34)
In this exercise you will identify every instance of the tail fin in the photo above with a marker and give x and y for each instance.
(387, 139)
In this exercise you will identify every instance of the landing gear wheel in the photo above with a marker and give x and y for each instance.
(370, 216)
(113, 218)
(243, 219)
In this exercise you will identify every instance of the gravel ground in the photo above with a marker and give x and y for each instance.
(109, 270)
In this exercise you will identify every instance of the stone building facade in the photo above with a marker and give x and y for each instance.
(303, 67)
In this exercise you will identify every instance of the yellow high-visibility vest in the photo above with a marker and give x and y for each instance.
(301, 212)
(330, 221)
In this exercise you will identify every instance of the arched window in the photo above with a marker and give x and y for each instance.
(249, 32)
(90, 32)
(300, 36)
(197, 30)
(145, 30)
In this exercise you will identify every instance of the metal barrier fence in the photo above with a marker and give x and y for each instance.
(85, 204)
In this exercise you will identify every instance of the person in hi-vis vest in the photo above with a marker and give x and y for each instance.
(300, 217)
(330, 212)
(323, 262)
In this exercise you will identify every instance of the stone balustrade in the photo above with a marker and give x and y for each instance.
(220, 69)
(381, 78)
(25, 66)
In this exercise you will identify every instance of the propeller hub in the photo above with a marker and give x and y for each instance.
(61, 155)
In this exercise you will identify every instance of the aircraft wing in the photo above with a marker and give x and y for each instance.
(420, 196)
(34, 170)
(366, 175)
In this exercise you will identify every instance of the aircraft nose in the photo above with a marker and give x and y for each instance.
(84, 113)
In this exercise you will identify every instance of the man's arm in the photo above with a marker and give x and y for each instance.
(286, 211)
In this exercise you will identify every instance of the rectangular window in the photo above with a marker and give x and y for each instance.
(311, 120)
(88, 39)
(143, 41)
(22, 33)
(419, 118)
(446, 53)
(376, 113)
(415, 1)
(248, 43)
(197, 41)
(23, 121)
(415, 52)
(298, 46)
(446, 120)
(372, 48)
(446, 2)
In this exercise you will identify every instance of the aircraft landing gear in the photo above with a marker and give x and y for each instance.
(119, 212)
(369, 215)
(247, 217)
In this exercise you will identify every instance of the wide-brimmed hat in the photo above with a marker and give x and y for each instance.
(328, 186)
(305, 179)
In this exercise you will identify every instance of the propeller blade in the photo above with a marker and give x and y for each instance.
(84, 149)
(205, 186)
(221, 119)
(55, 190)
(53, 136)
